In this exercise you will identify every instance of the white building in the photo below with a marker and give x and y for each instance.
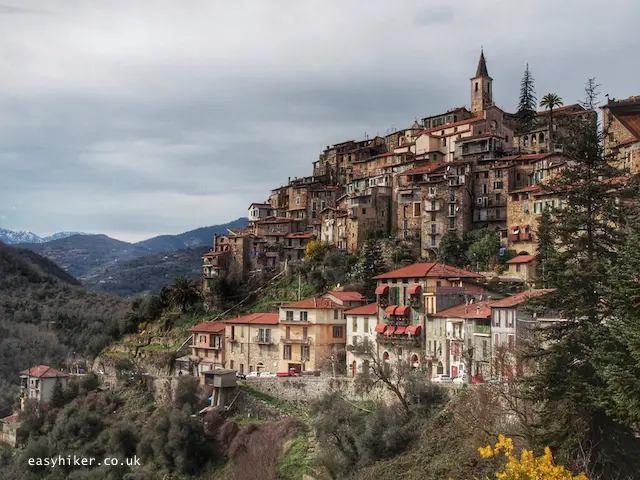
(361, 336)
(38, 382)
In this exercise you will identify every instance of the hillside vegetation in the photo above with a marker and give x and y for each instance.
(44, 314)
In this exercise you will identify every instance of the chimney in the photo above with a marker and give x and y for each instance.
(478, 310)
(466, 309)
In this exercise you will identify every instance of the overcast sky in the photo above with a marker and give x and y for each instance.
(136, 118)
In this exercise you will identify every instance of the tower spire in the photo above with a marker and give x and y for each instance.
(482, 71)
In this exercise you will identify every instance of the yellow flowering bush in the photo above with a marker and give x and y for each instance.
(528, 466)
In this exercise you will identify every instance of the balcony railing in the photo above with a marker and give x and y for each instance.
(262, 340)
(206, 347)
(291, 321)
(296, 340)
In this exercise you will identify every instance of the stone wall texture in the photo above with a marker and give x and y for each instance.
(304, 389)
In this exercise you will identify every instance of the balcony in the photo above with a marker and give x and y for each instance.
(296, 340)
(513, 237)
(525, 236)
(482, 330)
(291, 321)
(262, 340)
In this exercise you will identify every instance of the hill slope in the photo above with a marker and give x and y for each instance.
(150, 273)
(87, 255)
(43, 312)
(193, 238)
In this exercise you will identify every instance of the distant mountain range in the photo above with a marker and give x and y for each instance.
(106, 264)
(10, 237)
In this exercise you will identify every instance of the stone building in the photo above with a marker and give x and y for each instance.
(621, 124)
(37, 383)
(481, 88)
(361, 337)
(207, 345)
(368, 214)
(467, 346)
(312, 336)
(406, 299)
(252, 343)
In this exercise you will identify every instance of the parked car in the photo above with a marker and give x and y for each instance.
(241, 376)
(253, 375)
(441, 379)
(267, 375)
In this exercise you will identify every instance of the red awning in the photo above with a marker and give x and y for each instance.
(414, 289)
(382, 290)
(402, 311)
(381, 327)
(514, 227)
(414, 330)
(390, 310)
(391, 330)
(400, 330)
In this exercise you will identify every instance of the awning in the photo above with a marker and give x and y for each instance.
(414, 330)
(391, 330)
(414, 289)
(390, 310)
(402, 311)
(381, 327)
(514, 227)
(400, 331)
(382, 290)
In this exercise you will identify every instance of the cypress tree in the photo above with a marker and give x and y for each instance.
(372, 265)
(546, 249)
(575, 414)
(526, 113)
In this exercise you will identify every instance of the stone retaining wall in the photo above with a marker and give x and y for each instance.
(304, 389)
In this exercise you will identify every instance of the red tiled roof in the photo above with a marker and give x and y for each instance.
(10, 419)
(43, 371)
(371, 309)
(423, 169)
(521, 259)
(480, 136)
(435, 269)
(215, 254)
(315, 303)
(475, 310)
(521, 297)
(347, 296)
(455, 124)
(256, 318)
(209, 327)
(266, 205)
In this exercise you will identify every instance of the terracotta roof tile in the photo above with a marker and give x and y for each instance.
(347, 296)
(521, 297)
(521, 259)
(475, 310)
(455, 124)
(371, 309)
(10, 419)
(314, 303)
(255, 318)
(529, 156)
(434, 270)
(210, 327)
(423, 169)
(43, 371)
(299, 235)
(274, 220)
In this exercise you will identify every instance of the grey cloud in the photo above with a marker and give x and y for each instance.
(118, 117)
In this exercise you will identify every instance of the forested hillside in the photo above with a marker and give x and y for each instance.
(44, 313)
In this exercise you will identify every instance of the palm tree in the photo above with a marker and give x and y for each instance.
(184, 293)
(551, 101)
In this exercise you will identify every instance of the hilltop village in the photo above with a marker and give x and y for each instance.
(457, 171)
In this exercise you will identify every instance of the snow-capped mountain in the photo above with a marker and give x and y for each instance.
(10, 237)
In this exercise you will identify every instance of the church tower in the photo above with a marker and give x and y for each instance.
(481, 89)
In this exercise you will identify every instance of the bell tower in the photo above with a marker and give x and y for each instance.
(481, 88)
